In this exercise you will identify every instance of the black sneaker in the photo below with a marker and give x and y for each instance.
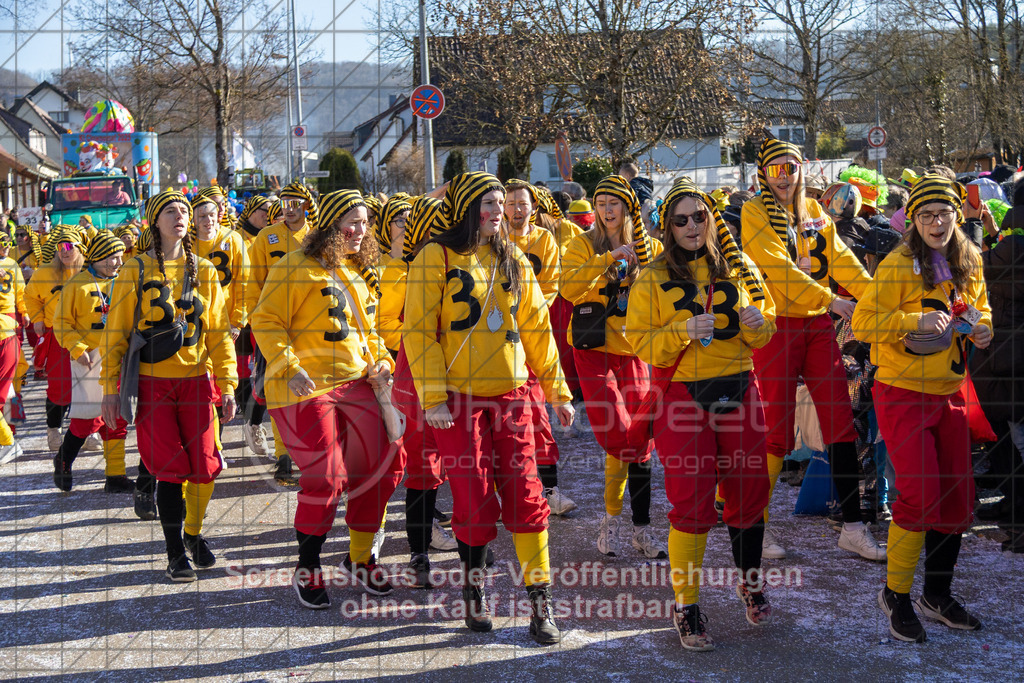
(489, 556)
(310, 587)
(180, 571)
(689, 624)
(284, 471)
(61, 473)
(949, 611)
(903, 622)
(199, 549)
(442, 518)
(145, 506)
(119, 484)
(542, 623)
(420, 566)
(478, 612)
(372, 577)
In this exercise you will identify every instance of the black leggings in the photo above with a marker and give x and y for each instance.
(55, 414)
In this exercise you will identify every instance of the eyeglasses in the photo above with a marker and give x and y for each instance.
(927, 218)
(681, 220)
(788, 169)
(293, 203)
(399, 221)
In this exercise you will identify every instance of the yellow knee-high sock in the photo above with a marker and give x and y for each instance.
(774, 470)
(197, 497)
(279, 448)
(360, 543)
(113, 456)
(615, 472)
(903, 552)
(21, 372)
(686, 557)
(532, 551)
(6, 435)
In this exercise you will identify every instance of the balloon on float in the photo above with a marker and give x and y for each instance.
(182, 178)
(232, 194)
(108, 116)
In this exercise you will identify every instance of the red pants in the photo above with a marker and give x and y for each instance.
(422, 461)
(929, 445)
(9, 348)
(613, 388)
(561, 317)
(83, 428)
(175, 429)
(544, 440)
(491, 446)
(58, 371)
(807, 348)
(338, 441)
(242, 362)
(699, 451)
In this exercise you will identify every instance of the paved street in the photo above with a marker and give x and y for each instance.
(83, 596)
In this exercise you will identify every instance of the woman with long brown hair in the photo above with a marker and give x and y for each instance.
(927, 305)
(598, 269)
(798, 249)
(475, 319)
(696, 318)
(314, 324)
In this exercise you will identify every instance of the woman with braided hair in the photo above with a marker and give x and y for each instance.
(314, 324)
(299, 218)
(175, 420)
(597, 271)
(62, 256)
(795, 244)
(475, 320)
(695, 316)
(78, 326)
(927, 304)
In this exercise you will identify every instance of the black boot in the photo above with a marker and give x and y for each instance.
(478, 613)
(62, 461)
(144, 497)
(542, 624)
(284, 472)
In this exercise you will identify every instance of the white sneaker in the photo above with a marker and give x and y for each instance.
(10, 452)
(378, 543)
(857, 538)
(608, 536)
(93, 442)
(643, 542)
(440, 540)
(54, 438)
(559, 503)
(770, 548)
(255, 439)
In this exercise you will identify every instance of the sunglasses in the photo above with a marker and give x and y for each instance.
(293, 203)
(66, 246)
(681, 220)
(787, 169)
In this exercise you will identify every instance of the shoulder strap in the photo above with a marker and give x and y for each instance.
(186, 289)
(24, 256)
(138, 298)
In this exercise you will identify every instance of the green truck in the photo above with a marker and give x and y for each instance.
(109, 200)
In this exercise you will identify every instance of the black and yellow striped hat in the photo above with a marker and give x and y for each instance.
(104, 245)
(122, 230)
(145, 241)
(935, 188)
(273, 212)
(59, 234)
(158, 202)
(772, 150)
(424, 214)
(373, 204)
(337, 204)
(210, 192)
(548, 204)
(201, 199)
(685, 187)
(462, 191)
(253, 205)
(382, 229)
(617, 186)
(297, 190)
(516, 184)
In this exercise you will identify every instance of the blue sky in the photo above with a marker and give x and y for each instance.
(40, 49)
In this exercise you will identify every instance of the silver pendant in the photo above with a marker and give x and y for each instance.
(494, 319)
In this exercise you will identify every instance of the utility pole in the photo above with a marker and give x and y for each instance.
(428, 126)
(298, 87)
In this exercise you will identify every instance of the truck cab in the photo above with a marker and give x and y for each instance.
(108, 199)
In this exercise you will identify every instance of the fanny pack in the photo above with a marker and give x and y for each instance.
(163, 341)
(719, 394)
(926, 344)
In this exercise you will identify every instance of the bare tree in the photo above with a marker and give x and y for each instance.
(221, 49)
(815, 55)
